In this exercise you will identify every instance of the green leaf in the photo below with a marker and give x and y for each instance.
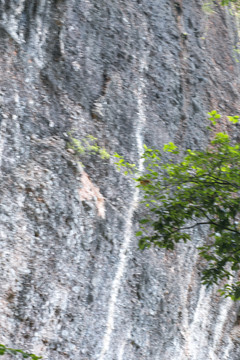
(170, 147)
(144, 221)
(233, 119)
(4, 349)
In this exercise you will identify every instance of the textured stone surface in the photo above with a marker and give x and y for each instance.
(73, 284)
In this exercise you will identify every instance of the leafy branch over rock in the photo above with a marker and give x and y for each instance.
(5, 350)
(202, 189)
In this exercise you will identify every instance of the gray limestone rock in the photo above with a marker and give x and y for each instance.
(73, 283)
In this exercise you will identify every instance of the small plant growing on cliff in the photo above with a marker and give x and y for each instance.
(87, 146)
(209, 5)
(121, 163)
(5, 350)
(227, 2)
(201, 189)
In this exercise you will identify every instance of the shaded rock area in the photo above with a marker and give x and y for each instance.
(73, 283)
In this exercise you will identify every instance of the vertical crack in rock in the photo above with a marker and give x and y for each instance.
(2, 135)
(40, 30)
(27, 23)
(128, 228)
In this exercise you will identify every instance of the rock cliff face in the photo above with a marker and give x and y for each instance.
(73, 283)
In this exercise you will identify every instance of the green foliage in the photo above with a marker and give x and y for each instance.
(87, 146)
(209, 5)
(233, 119)
(121, 163)
(228, 2)
(6, 350)
(201, 189)
(213, 116)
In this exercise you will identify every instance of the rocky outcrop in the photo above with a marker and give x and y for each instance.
(73, 283)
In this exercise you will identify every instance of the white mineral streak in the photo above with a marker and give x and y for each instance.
(187, 278)
(122, 347)
(128, 228)
(196, 332)
(224, 310)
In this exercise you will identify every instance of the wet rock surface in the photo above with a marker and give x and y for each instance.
(73, 283)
